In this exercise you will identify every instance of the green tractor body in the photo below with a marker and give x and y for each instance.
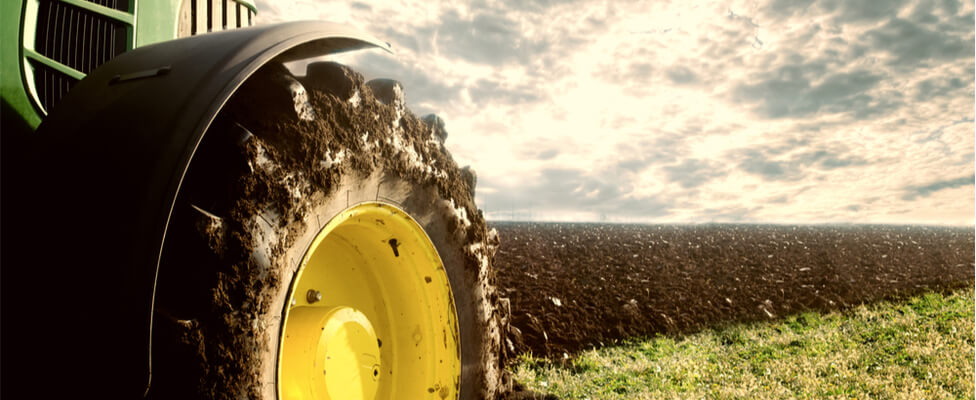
(50, 45)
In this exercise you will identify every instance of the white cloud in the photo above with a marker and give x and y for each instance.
(779, 111)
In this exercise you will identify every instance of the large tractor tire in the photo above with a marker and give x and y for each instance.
(325, 245)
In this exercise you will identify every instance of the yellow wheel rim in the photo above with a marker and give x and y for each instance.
(370, 313)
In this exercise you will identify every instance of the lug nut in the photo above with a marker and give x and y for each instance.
(313, 296)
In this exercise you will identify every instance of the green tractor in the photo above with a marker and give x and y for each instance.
(185, 217)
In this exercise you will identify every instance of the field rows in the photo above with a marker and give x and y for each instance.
(578, 286)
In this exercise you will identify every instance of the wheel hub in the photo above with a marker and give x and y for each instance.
(346, 351)
(371, 314)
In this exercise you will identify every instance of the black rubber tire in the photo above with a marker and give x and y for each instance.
(252, 201)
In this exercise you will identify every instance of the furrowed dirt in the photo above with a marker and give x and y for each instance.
(576, 286)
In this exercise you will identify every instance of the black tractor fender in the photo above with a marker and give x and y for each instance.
(83, 236)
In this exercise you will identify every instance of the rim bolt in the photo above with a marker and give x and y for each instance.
(313, 296)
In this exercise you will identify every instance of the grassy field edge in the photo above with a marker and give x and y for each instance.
(920, 347)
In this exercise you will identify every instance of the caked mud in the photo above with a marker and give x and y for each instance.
(282, 150)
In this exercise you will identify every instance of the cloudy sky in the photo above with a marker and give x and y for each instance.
(782, 111)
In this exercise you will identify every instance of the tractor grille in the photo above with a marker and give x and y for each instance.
(76, 38)
(50, 84)
(121, 5)
(203, 16)
(72, 36)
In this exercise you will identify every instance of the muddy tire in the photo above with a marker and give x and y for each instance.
(286, 156)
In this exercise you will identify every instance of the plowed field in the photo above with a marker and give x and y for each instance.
(574, 286)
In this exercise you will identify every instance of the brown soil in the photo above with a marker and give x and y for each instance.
(215, 293)
(576, 286)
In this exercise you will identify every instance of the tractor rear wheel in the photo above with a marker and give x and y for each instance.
(324, 245)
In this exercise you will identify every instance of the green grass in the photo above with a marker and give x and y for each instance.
(919, 348)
